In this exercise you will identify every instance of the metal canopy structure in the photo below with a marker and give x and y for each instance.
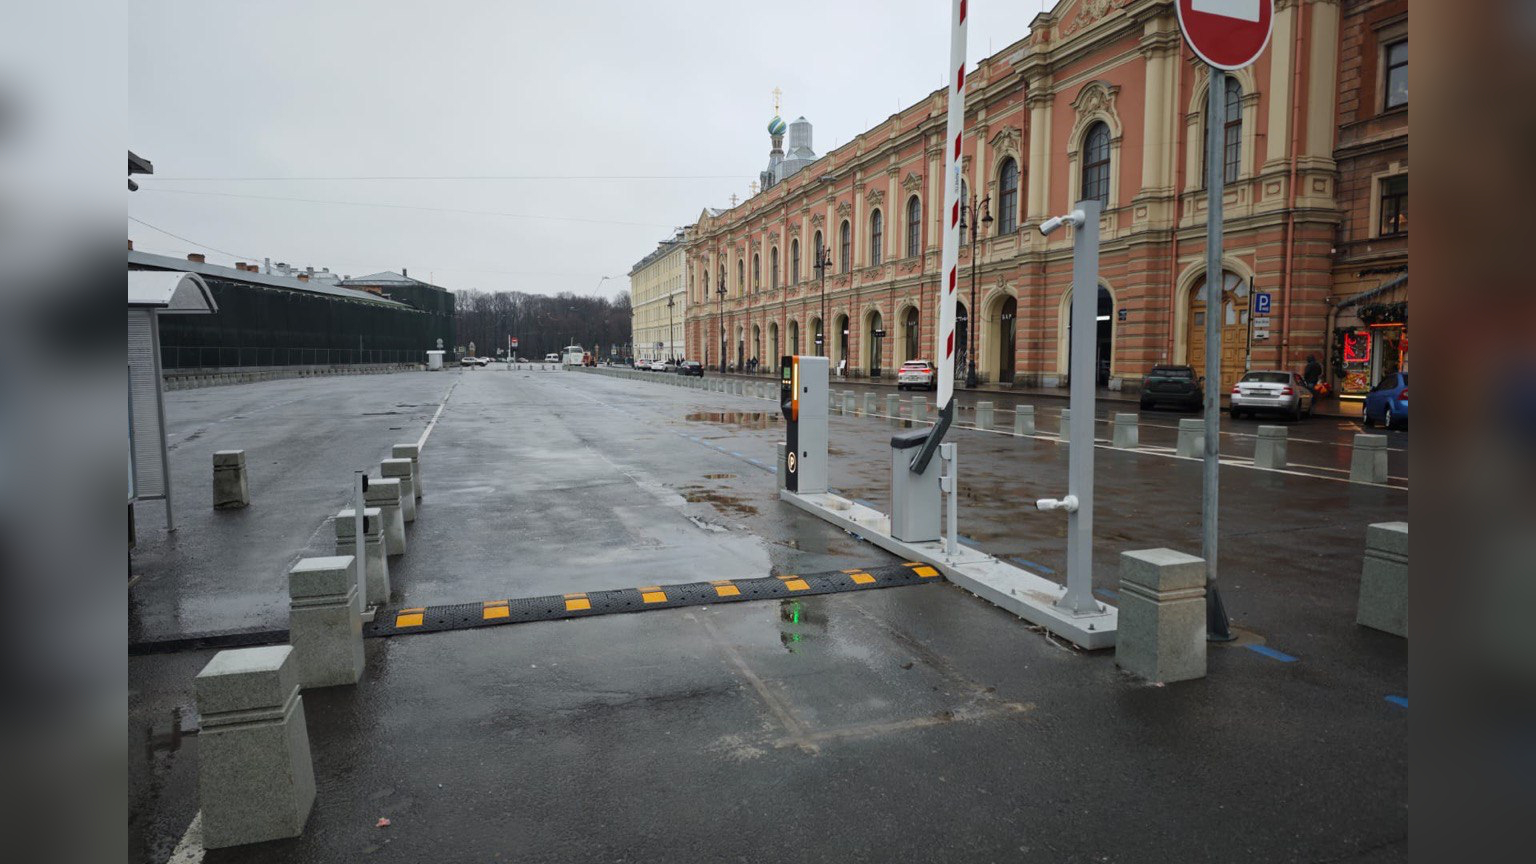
(152, 293)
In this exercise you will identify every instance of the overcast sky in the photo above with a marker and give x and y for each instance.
(464, 88)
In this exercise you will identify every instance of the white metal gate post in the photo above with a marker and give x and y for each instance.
(1085, 312)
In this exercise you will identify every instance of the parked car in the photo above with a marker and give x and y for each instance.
(552, 357)
(1274, 391)
(658, 365)
(1172, 385)
(691, 367)
(469, 361)
(917, 373)
(1387, 403)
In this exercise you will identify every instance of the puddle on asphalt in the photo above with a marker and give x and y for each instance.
(743, 419)
(798, 630)
(731, 503)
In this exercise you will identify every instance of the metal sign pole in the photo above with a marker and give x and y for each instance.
(359, 484)
(1216, 626)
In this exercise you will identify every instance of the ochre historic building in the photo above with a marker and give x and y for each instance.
(1102, 100)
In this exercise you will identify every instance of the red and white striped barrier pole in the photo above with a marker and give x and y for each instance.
(950, 268)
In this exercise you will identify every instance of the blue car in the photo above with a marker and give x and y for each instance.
(1387, 402)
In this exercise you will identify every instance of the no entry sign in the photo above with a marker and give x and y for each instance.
(1228, 34)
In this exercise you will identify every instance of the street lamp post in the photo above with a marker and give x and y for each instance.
(970, 314)
(671, 335)
(720, 292)
(823, 263)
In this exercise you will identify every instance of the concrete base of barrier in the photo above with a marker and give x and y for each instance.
(1191, 444)
(400, 469)
(325, 621)
(1064, 431)
(919, 409)
(413, 453)
(1368, 459)
(231, 490)
(983, 415)
(893, 405)
(384, 493)
(375, 558)
(1025, 594)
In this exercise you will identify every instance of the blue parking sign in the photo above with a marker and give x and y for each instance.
(1261, 303)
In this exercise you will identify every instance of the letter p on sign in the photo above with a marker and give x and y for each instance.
(1243, 10)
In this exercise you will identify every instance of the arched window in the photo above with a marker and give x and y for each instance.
(1231, 136)
(1096, 163)
(1008, 197)
(773, 268)
(757, 271)
(876, 238)
(914, 227)
(741, 276)
(845, 253)
(794, 261)
(965, 193)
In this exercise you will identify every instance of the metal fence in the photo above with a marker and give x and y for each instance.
(178, 357)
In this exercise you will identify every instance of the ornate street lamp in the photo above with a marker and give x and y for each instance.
(823, 263)
(970, 314)
(671, 333)
(720, 290)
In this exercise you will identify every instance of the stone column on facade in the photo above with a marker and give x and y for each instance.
(1322, 81)
(1282, 36)
(1039, 186)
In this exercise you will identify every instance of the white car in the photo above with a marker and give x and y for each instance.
(658, 366)
(1272, 391)
(917, 373)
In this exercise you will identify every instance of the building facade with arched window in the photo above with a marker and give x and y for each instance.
(1100, 99)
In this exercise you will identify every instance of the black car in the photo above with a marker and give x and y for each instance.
(691, 367)
(1172, 385)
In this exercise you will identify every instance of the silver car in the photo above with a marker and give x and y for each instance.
(1272, 391)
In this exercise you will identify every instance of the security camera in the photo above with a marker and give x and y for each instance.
(1076, 219)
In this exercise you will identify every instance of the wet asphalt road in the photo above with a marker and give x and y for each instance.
(906, 724)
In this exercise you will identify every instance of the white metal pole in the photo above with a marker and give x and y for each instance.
(1085, 312)
(359, 483)
(950, 262)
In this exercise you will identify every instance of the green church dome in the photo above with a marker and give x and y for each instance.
(776, 126)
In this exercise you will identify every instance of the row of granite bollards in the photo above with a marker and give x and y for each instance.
(256, 781)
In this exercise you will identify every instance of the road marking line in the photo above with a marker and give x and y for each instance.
(778, 707)
(1399, 701)
(1271, 653)
(421, 442)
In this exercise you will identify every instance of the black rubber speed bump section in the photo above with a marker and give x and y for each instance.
(491, 613)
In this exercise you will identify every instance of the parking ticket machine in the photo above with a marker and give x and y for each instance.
(803, 399)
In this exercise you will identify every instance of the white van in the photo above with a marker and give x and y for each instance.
(552, 357)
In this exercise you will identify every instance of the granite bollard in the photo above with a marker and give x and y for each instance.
(1161, 632)
(325, 621)
(255, 780)
(376, 561)
(1127, 436)
(1368, 459)
(893, 405)
(871, 400)
(1384, 579)
(850, 403)
(1065, 430)
(385, 494)
(983, 415)
(919, 409)
(402, 470)
(1269, 448)
(230, 487)
(1191, 444)
(1024, 420)
(413, 453)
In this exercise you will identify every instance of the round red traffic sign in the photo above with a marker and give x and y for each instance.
(1228, 34)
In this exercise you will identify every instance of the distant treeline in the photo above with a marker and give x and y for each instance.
(542, 324)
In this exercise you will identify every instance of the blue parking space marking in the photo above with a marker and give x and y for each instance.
(1271, 653)
(737, 455)
(1107, 594)
(1033, 565)
(1399, 701)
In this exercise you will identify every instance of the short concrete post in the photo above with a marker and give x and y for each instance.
(870, 401)
(1269, 449)
(1065, 430)
(1161, 635)
(400, 469)
(385, 495)
(1368, 461)
(850, 403)
(376, 562)
(1384, 579)
(919, 409)
(893, 405)
(325, 621)
(413, 453)
(1126, 435)
(1024, 420)
(983, 415)
(1191, 437)
(783, 469)
(230, 489)
(254, 775)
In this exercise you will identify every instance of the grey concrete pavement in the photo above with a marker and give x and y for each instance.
(914, 724)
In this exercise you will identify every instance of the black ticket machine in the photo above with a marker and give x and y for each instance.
(803, 399)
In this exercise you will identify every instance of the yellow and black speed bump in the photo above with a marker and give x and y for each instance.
(462, 616)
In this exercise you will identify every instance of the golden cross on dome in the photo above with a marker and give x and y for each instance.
(776, 94)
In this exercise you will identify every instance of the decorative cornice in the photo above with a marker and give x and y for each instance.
(1091, 13)
(1006, 140)
(843, 208)
(913, 183)
(876, 198)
